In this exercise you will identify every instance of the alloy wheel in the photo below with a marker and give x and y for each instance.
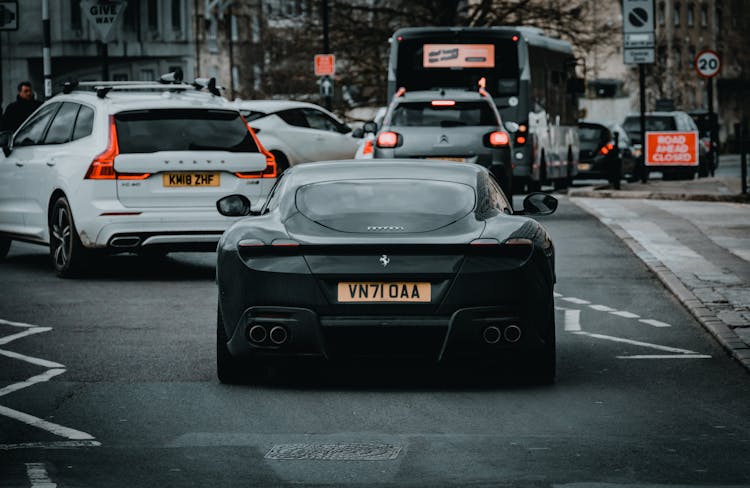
(61, 237)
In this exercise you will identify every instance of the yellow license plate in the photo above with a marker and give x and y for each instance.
(356, 291)
(446, 158)
(584, 166)
(190, 179)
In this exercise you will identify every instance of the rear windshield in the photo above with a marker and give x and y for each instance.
(653, 123)
(417, 205)
(146, 131)
(592, 133)
(424, 114)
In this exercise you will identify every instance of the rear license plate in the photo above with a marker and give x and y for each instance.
(190, 179)
(356, 291)
(584, 166)
(446, 158)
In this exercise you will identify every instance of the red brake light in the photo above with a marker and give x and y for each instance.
(387, 139)
(367, 149)
(499, 139)
(515, 38)
(443, 103)
(271, 170)
(103, 165)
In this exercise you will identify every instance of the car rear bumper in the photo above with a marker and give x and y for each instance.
(175, 229)
(468, 335)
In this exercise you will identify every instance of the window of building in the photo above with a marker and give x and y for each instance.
(660, 14)
(75, 15)
(235, 36)
(153, 15)
(704, 16)
(132, 16)
(177, 15)
(676, 15)
(677, 56)
(148, 75)
(691, 55)
(690, 12)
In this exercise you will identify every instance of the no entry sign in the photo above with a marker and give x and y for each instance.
(671, 149)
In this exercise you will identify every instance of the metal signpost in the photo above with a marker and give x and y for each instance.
(8, 22)
(708, 64)
(103, 15)
(638, 44)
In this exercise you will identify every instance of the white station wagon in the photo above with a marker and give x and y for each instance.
(127, 168)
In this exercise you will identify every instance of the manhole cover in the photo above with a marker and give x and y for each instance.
(335, 452)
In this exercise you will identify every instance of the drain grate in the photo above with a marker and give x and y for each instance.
(335, 452)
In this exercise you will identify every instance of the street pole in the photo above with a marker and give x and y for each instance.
(104, 54)
(712, 122)
(47, 61)
(642, 89)
(740, 135)
(326, 47)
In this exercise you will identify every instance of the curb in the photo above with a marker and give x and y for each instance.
(605, 192)
(724, 334)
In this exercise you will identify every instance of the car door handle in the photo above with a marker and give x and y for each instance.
(19, 164)
(51, 163)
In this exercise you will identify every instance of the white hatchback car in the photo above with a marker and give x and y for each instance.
(298, 132)
(127, 168)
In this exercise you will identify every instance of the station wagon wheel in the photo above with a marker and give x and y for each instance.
(67, 253)
(4, 246)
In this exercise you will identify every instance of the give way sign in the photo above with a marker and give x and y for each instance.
(103, 14)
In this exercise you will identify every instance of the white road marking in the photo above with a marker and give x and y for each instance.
(49, 445)
(637, 343)
(666, 356)
(16, 324)
(56, 429)
(655, 323)
(575, 300)
(32, 360)
(572, 319)
(627, 315)
(556, 295)
(46, 376)
(38, 476)
(28, 332)
(602, 308)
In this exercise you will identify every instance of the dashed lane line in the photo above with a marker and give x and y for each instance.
(666, 356)
(605, 308)
(49, 445)
(655, 323)
(636, 343)
(37, 473)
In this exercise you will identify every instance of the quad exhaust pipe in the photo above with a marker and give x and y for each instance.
(492, 334)
(278, 335)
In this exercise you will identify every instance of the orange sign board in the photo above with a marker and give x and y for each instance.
(458, 56)
(325, 64)
(671, 149)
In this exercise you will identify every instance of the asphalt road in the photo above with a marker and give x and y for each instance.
(125, 392)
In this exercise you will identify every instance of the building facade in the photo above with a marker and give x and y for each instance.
(151, 38)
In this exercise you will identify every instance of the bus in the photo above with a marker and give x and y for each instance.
(530, 76)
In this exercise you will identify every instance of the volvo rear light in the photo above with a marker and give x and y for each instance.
(389, 139)
(499, 139)
(271, 170)
(367, 149)
(103, 165)
(443, 103)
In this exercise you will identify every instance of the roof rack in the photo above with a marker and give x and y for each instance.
(168, 82)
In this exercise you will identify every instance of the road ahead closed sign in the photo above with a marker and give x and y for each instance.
(671, 149)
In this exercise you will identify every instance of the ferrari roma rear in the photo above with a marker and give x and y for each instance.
(404, 260)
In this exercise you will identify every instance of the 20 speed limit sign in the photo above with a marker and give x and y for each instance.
(708, 63)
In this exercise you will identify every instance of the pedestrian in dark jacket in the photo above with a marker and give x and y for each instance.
(20, 110)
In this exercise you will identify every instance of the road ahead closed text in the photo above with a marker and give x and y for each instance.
(671, 148)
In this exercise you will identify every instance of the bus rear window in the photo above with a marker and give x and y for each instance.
(430, 62)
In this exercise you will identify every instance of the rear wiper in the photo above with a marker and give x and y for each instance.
(451, 123)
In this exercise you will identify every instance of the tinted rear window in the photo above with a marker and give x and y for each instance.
(592, 133)
(653, 123)
(424, 114)
(417, 205)
(145, 131)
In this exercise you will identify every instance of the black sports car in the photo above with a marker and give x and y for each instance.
(401, 259)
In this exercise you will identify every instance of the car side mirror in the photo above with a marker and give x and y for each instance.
(235, 206)
(370, 127)
(6, 137)
(539, 204)
(511, 126)
(344, 129)
(358, 133)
